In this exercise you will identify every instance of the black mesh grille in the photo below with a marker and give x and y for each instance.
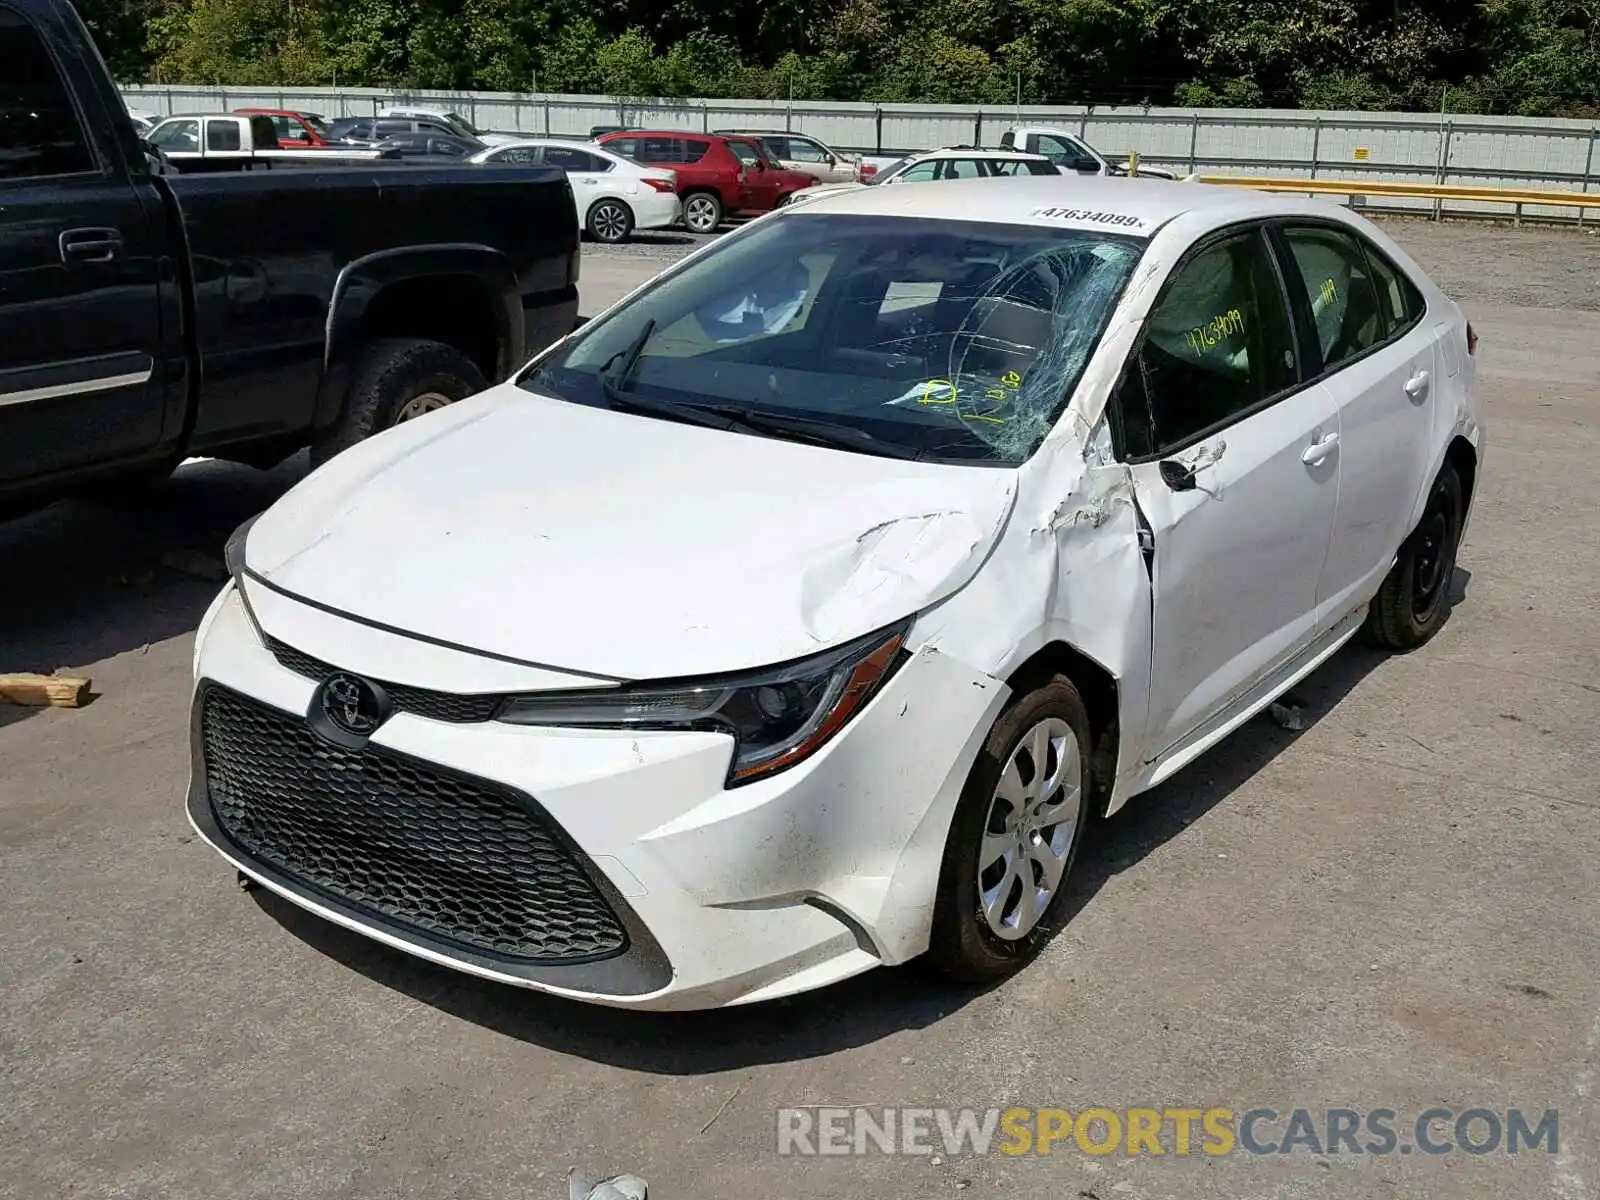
(445, 855)
(421, 702)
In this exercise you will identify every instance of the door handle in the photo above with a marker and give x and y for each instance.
(1320, 449)
(91, 245)
(1417, 385)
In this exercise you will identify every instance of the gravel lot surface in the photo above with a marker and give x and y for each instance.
(1397, 907)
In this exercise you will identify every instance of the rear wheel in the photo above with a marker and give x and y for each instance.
(610, 221)
(1414, 600)
(1014, 838)
(398, 380)
(702, 212)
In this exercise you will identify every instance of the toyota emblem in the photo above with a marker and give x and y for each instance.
(352, 705)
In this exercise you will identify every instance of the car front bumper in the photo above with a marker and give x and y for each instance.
(724, 896)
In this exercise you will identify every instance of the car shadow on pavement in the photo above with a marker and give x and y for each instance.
(84, 581)
(856, 1012)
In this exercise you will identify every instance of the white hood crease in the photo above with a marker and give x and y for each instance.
(612, 544)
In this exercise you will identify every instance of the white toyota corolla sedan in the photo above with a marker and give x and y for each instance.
(799, 613)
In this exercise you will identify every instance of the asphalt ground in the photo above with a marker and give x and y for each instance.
(1393, 908)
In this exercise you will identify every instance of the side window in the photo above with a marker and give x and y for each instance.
(801, 150)
(39, 131)
(692, 150)
(745, 153)
(627, 147)
(223, 135)
(1403, 303)
(446, 145)
(566, 158)
(179, 136)
(921, 172)
(1035, 167)
(523, 155)
(657, 150)
(1218, 344)
(962, 168)
(1065, 153)
(385, 129)
(1340, 292)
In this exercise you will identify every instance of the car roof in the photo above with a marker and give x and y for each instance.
(979, 152)
(193, 116)
(1137, 207)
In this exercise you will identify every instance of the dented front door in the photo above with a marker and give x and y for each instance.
(1235, 465)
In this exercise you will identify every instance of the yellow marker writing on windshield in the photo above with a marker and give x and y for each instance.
(937, 391)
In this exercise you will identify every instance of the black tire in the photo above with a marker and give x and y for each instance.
(962, 945)
(392, 375)
(1414, 600)
(609, 221)
(702, 212)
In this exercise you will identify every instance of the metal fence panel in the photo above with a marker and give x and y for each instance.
(1413, 147)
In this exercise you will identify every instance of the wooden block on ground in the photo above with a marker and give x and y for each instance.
(55, 691)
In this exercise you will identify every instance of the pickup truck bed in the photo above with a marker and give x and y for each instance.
(147, 317)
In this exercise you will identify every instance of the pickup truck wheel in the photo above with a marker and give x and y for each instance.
(702, 212)
(610, 221)
(1414, 600)
(1014, 838)
(398, 379)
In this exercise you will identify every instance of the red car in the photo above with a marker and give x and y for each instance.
(296, 130)
(717, 176)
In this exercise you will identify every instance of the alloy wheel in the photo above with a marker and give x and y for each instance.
(609, 222)
(1028, 835)
(700, 214)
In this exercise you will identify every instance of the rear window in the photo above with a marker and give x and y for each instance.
(951, 340)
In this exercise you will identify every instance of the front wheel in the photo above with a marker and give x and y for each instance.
(1014, 838)
(702, 212)
(610, 221)
(1414, 600)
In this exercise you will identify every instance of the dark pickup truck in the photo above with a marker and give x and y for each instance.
(149, 317)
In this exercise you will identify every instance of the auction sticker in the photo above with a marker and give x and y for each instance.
(1090, 215)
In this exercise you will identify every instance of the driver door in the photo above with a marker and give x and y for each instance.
(1236, 470)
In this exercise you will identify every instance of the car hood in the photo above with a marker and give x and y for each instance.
(615, 544)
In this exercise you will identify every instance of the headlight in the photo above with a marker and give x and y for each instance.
(233, 552)
(777, 717)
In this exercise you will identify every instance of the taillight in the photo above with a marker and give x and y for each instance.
(868, 170)
(1472, 340)
(661, 185)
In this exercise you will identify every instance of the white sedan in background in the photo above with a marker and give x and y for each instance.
(614, 195)
(798, 613)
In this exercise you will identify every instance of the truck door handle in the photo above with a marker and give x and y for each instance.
(1320, 449)
(91, 245)
(1417, 385)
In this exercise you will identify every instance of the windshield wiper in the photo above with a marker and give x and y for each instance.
(828, 433)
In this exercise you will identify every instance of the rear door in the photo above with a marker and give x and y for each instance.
(1379, 357)
(758, 184)
(80, 264)
(1236, 469)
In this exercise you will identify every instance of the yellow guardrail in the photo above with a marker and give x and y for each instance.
(1416, 191)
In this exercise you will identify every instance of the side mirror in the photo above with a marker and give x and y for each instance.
(833, 160)
(761, 164)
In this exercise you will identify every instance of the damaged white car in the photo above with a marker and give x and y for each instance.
(799, 613)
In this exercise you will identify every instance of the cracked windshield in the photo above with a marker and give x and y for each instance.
(934, 339)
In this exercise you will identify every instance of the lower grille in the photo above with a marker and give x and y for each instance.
(423, 702)
(448, 856)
